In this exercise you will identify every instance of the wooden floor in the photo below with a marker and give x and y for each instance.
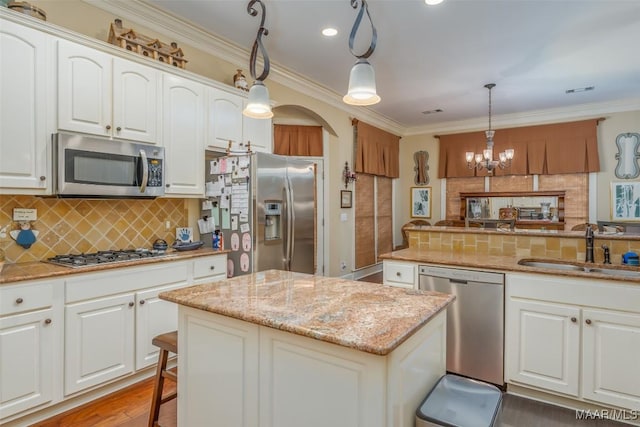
(125, 408)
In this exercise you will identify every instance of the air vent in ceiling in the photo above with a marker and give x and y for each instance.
(580, 89)
(437, 110)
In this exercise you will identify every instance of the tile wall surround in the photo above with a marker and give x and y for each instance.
(84, 225)
(568, 248)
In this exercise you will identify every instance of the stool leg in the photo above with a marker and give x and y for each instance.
(157, 390)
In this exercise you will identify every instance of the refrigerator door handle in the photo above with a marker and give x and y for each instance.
(291, 220)
(287, 220)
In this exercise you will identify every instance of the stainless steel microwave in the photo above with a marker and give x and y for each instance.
(88, 166)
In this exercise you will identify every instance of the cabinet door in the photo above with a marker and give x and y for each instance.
(224, 115)
(543, 345)
(25, 68)
(259, 132)
(611, 348)
(26, 362)
(84, 89)
(98, 341)
(183, 115)
(135, 101)
(153, 317)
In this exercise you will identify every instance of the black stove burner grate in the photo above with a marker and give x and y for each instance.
(103, 257)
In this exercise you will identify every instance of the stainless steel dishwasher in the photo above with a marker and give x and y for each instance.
(475, 320)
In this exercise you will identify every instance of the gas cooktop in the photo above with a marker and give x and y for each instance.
(103, 257)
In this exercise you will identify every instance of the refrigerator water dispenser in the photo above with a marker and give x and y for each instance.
(272, 220)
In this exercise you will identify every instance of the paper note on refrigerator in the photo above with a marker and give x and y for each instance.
(234, 222)
(225, 220)
(214, 167)
(245, 227)
(243, 161)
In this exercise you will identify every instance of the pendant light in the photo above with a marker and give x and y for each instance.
(362, 79)
(258, 104)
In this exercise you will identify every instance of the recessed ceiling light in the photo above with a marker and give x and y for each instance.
(580, 89)
(432, 2)
(437, 110)
(329, 32)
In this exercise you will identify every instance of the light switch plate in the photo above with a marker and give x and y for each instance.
(22, 214)
(343, 217)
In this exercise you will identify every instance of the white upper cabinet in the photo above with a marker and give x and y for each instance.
(226, 123)
(27, 106)
(183, 122)
(224, 117)
(104, 95)
(259, 132)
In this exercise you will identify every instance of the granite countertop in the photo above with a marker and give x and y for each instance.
(365, 316)
(40, 270)
(500, 263)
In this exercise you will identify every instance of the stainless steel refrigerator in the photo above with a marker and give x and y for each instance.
(265, 206)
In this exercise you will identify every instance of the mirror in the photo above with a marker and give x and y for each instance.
(627, 155)
(421, 167)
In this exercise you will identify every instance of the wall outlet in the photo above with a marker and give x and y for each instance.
(343, 266)
(167, 225)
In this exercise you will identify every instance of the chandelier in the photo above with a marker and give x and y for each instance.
(485, 159)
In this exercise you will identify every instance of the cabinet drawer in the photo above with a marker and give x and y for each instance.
(209, 266)
(399, 273)
(21, 298)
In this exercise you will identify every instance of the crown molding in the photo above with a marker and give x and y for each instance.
(183, 31)
(537, 117)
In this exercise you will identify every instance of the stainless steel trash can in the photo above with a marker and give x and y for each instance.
(460, 402)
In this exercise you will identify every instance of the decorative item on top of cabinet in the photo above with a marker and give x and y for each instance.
(627, 156)
(240, 81)
(27, 9)
(128, 39)
(421, 168)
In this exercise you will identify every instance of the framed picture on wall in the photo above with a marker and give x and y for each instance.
(625, 201)
(345, 199)
(420, 202)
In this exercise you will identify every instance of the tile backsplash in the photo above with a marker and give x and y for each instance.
(84, 225)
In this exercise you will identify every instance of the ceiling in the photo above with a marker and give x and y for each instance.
(440, 57)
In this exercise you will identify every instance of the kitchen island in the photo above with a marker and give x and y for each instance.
(285, 349)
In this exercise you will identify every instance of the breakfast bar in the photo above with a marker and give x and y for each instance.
(284, 349)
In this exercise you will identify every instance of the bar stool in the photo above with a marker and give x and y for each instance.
(168, 343)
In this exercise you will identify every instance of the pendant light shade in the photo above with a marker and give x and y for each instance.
(258, 104)
(362, 85)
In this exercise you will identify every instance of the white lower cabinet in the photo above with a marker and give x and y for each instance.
(576, 337)
(30, 331)
(26, 374)
(400, 274)
(98, 341)
(243, 374)
(154, 316)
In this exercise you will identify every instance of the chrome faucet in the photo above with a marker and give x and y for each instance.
(589, 238)
(607, 255)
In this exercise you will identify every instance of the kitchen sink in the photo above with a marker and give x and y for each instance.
(585, 268)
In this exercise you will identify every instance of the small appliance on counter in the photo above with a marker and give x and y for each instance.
(630, 258)
(160, 245)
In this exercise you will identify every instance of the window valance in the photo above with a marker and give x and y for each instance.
(294, 140)
(543, 150)
(377, 151)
